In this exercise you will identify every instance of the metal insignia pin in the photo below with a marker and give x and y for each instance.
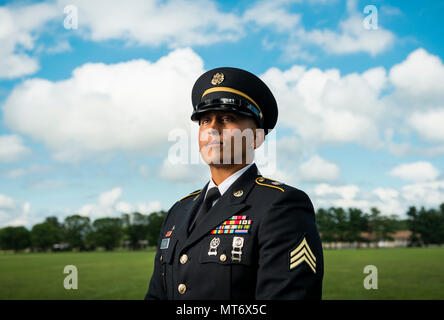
(276, 183)
(236, 253)
(213, 246)
(238, 193)
(218, 78)
(261, 179)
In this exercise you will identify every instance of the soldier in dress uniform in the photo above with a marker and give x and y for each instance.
(242, 236)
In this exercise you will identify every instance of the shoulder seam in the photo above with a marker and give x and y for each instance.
(267, 185)
(193, 193)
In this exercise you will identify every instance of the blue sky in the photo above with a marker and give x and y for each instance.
(85, 113)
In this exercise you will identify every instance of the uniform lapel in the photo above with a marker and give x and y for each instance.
(227, 206)
(190, 210)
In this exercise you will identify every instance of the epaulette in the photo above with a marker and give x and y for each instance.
(269, 183)
(191, 194)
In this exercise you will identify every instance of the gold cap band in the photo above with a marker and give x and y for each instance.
(227, 89)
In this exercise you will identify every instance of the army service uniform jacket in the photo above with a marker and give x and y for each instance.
(258, 241)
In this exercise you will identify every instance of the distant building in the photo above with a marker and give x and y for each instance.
(400, 239)
(60, 246)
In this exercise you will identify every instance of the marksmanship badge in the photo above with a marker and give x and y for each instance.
(213, 246)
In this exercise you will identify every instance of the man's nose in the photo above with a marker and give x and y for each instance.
(214, 127)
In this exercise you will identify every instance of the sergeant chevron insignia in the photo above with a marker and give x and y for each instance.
(302, 253)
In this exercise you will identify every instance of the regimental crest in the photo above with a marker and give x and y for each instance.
(301, 254)
(218, 78)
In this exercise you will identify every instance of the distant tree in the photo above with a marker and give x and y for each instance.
(138, 229)
(357, 222)
(44, 235)
(430, 225)
(155, 221)
(326, 225)
(14, 238)
(107, 232)
(413, 225)
(380, 226)
(75, 231)
(340, 219)
(54, 221)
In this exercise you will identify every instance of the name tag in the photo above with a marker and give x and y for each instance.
(165, 243)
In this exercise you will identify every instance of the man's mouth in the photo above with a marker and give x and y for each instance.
(214, 143)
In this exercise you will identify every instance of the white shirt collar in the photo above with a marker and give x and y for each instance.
(226, 184)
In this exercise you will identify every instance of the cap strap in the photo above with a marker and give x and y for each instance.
(227, 89)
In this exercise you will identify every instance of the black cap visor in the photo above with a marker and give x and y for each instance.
(228, 105)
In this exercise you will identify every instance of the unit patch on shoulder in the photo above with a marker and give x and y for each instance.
(302, 253)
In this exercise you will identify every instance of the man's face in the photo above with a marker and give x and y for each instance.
(227, 138)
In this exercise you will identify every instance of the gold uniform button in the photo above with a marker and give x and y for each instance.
(183, 259)
(182, 288)
(223, 257)
(161, 258)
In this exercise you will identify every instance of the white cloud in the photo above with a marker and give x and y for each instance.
(47, 184)
(317, 169)
(351, 36)
(59, 47)
(347, 192)
(417, 172)
(13, 212)
(388, 200)
(18, 25)
(351, 196)
(12, 148)
(428, 194)
(15, 173)
(419, 76)
(272, 13)
(375, 109)
(149, 208)
(143, 208)
(429, 124)
(175, 23)
(20, 172)
(182, 172)
(129, 106)
(321, 106)
(108, 205)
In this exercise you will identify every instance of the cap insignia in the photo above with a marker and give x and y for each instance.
(218, 78)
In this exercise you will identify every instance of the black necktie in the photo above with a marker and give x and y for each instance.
(212, 195)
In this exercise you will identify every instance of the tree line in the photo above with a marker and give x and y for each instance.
(335, 224)
(355, 225)
(80, 233)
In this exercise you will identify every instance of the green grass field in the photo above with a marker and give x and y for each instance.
(404, 273)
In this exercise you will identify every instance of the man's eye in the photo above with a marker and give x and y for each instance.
(227, 119)
(204, 121)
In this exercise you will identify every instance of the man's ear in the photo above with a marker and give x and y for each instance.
(259, 137)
